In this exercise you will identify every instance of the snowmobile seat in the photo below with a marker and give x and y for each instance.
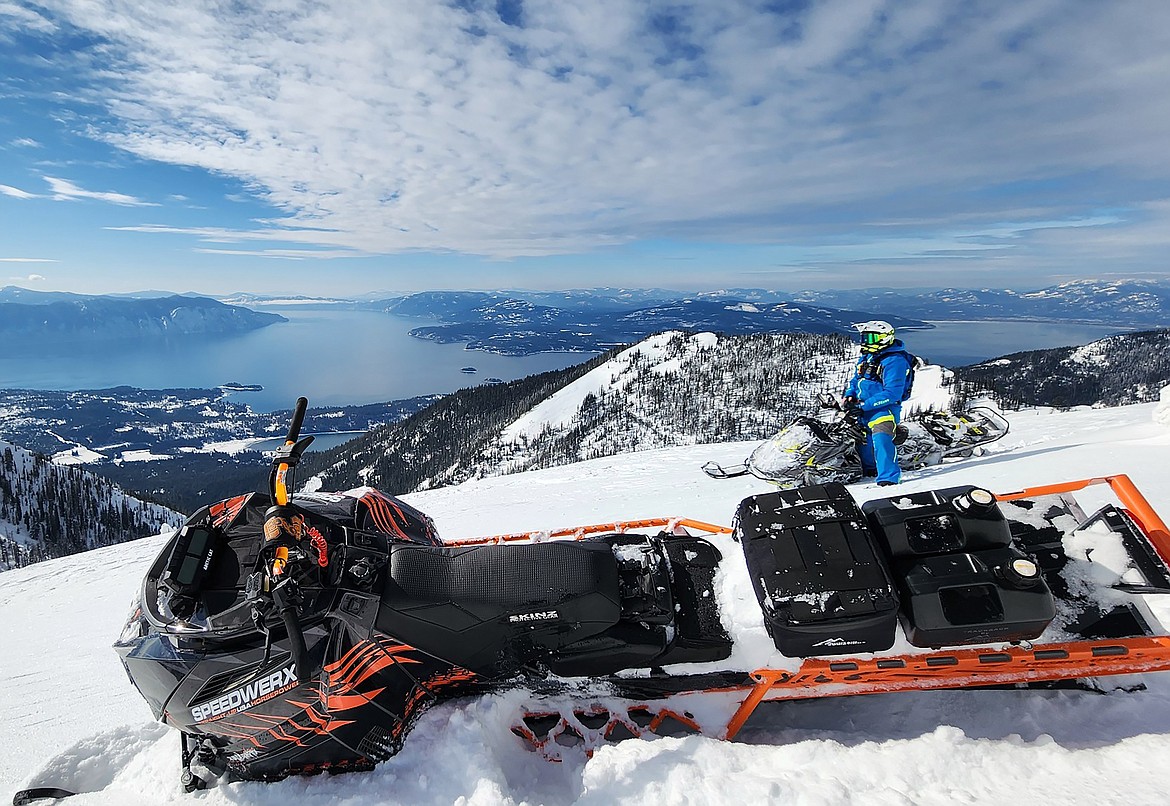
(470, 601)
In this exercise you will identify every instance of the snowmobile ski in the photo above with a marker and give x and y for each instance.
(34, 794)
(718, 471)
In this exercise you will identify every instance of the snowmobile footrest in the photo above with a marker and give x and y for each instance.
(718, 471)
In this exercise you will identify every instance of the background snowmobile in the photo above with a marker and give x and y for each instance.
(817, 450)
(290, 633)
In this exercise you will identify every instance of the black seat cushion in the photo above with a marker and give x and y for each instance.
(485, 607)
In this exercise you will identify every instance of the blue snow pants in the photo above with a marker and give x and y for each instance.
(878, 453)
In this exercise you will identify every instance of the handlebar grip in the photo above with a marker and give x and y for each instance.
(294, 429)
(296, 642)
(284, 596)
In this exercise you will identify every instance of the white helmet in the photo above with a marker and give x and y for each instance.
(875, 335)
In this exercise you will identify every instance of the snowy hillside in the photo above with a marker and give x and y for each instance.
(50, 510)
(1113, 371)
(670, 389)
(68, 716)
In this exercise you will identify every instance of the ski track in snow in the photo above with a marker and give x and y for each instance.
(70, 718)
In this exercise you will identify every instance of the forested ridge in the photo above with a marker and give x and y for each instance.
(49, 510)
(1115, 371)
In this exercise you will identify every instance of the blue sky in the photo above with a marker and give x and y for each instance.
(336, 147)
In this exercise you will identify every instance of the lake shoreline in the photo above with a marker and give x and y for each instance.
(354, 358)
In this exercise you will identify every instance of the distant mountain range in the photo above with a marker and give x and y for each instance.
(519, 322)
(591, 322)
(1125, 303)
(39, 317)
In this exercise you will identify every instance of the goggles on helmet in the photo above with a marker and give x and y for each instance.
(873, 338)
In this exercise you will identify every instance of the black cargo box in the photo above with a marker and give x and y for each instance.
(819, 577)
(954, 519)
(978, 597)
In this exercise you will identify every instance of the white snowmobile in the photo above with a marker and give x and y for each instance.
(823, 449)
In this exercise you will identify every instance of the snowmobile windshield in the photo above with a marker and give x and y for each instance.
(198, 582)
(790, 454)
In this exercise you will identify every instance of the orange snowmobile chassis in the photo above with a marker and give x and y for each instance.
(947, 669)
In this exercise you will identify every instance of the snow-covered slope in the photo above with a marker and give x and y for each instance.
(669, 389)
(69, 717)
(50, 510)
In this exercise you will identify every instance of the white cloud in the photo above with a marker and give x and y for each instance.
(21, 17)
(17, 193)
(64, 190)
(416, 125)
(286, 254)
(25, 142)
(29, 278)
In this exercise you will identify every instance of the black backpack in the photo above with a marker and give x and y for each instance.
(914, 362)
(875, 370)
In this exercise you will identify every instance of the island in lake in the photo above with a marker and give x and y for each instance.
(468, 370)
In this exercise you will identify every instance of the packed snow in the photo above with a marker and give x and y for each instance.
(70, 718)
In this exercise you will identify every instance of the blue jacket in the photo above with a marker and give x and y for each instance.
(880, 379)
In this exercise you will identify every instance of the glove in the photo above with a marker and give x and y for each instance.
(852, 428)
(852, 420)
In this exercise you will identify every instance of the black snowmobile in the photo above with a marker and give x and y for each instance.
(288, 633)
(295, 633)
(821, 449)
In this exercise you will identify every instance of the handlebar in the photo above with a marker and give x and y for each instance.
(288, 455)
(298, 419)
(285, 595)
(283, 527)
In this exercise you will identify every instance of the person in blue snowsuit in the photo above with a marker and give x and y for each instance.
(875, 393)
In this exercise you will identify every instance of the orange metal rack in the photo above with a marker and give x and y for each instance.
(963, 668)
(946, 669)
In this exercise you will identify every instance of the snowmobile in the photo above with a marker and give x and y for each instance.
(291, 633)
(816, 450)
